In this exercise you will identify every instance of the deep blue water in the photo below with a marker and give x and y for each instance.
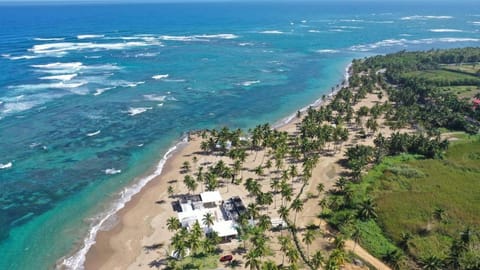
(87, 108)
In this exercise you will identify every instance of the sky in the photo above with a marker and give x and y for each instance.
(173, 1)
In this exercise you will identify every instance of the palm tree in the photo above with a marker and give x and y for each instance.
(208, 220)
(173, 224)
(432, 262)
(439, 214)
(170, 191)
(275, 185)
(285, 245)
(393, 258)
(269, 265)
(317, 259)
(297, 206)
(367, 209)
(320, 188)
(336, 259)
(404, 239)
(292, 255)
(190, 183)
(234, 264)
(283, 211)
(253, 210)
(186, 166)
(356, 236)
(252, 260)
(308, 238)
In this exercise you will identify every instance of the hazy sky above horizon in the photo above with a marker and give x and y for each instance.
(173, 1)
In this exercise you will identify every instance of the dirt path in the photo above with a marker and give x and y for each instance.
(365, 256)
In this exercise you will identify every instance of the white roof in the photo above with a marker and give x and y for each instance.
(210, 196)
(225, 228)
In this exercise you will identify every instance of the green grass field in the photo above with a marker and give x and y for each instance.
(444, 78)
(467, 68)
(409, 192)
(462, 91)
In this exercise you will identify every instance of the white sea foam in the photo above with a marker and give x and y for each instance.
(58, 65)
(155, 97)
(94, 133)
(93, 56)
(243, 44)
(19, 57)
(429, 17)
(76, 261)
(405, 35)
(112, 171)
(6, 165)
(63, 77)
(49, 39)
(89, 36)
(314, 31)
(249, 83)
(218, 36)
(146, 54)
(58, 85)
(272, 32)
(65, 47)
(15, 107)
(327, 51)
(475, 23)
(351, 20)
(204, 37)
(160, 76)
(445, 30)
(100, 91)
(404, 42)
(132, 84)
(135, 111)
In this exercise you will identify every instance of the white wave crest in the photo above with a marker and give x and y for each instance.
(160, 76)
(446, 30)
(429, 17)
(204, 37)
(89, 36)
(351, 20)
(19, 57)
(64, 77)
(76, 261)
(475, 23)
(327, 51)
(58, 65)
(272, 32)
(40, 86)
(135, 111)
(155, 98)
(249, 83)
(6, 165)
(94, 133)
(65, 47)
(243, 44)
(112, 171)
(49, 39)
(100, 91)
(404, 42)
(314, 31)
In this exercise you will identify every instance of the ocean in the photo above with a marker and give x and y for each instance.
(92, 97)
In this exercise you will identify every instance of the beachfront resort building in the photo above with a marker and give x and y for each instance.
(194, 208)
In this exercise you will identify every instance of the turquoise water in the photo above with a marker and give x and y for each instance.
(87, 109)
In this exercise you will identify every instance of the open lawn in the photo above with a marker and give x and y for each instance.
(411, 192)
(462, 91)
(473, 69)
(444, 77)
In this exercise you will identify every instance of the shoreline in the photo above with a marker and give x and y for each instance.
(96, 246)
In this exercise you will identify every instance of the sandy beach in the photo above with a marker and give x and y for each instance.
(141, 238)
